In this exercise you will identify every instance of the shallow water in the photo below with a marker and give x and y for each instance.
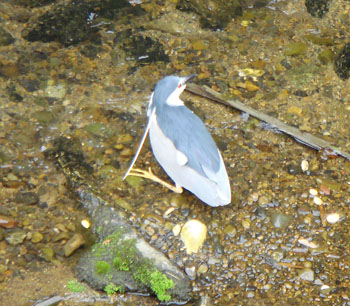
(95, 91)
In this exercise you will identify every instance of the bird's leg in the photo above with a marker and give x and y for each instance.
(149, 175)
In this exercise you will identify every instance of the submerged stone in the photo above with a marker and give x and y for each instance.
(280, 221)
(76, 22)
(342, 63)
(5, 38)
(216, 15)
(317, 8)
(142, 49)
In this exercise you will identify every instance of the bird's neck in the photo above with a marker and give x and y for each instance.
(174, 98)
(174, 101)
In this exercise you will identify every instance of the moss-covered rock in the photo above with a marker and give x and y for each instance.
(120, 263)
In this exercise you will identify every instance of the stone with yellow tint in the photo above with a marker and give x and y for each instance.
(193, 235)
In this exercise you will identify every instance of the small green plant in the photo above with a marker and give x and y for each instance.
(111, 289)
(156, 280)
(121, 263)
(160, 284)
(75, 286)
(102, 267)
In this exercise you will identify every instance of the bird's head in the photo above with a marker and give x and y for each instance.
(169, 89)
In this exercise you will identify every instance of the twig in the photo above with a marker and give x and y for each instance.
(302, 137)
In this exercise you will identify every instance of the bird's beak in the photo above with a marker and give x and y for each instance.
(189, 78)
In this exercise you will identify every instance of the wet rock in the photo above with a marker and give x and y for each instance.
(30, 85)
(317, 8)
(280, 221)
(57, 91)
(13, 94)
(16, 238)
(44, 117)
(307, 274)
(205, 300)
(27, 198)
(124, 259)
(79, 21)
(37, 237)
(34, 3)
(342, 63)
(326, 56)
(193, 235)
(47, 253)
(214, 16)
(7, 222)
(142, 49)
(5, 38)
(191, 272)
(73, 244)
(295, 48)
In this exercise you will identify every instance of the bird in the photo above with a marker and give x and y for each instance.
(183, 146)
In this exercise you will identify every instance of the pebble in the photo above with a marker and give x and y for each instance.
(313, 191)
(307, 274)
(191, 272)
(176, 229)
(318, 201)
(85, 223)
(73, 244)
(193, 235)
(304, 165)
(203, 268)
(280, 221)
(48, 253)
(37, 237)
(16, 238)
(333, 218)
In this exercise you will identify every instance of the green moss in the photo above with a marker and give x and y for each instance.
(154, 279)
(75, 286)
(102, 267)
(111, 289)
(160, 284)
(122, 264)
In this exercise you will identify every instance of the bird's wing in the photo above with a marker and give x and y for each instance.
(191, 139)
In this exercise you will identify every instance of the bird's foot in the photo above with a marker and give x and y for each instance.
(149, 175)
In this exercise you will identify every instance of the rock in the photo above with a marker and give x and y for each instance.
(280, 221)
(73, 244)
(27, 198)
(75, 22)
(5, 38)
(193, 235)
(130, 257)
(47, 253)
(37, 237)
(342, 63)
(216, 15)
(57, 91)
(317, 8)
(307, 274)
(295, 48)
(142, 49)
(16, 238)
